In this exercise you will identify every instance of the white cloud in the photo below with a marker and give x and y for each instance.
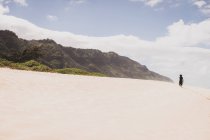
(4, 9)
(203, 6)
(21, 2)
(176, 52)
(199, 3)
(164, 3)
(77, 1)
(74, 3)
(187, 35)
(52, 17)
(150, 3)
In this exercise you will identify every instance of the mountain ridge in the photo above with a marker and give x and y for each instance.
(56, 56)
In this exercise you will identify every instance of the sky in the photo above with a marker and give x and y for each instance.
(170, 37)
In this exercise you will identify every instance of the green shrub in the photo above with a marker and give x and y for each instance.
(5, 63)
(77, 71)
(18, 66)
(29, 65)
(36, 66)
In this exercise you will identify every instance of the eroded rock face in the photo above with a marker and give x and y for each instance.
(54, 55)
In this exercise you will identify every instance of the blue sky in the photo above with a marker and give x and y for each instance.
(170, 37)
(108, 17)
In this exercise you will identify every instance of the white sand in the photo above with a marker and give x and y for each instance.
(44, 106)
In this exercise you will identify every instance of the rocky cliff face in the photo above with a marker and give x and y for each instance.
(54, 55)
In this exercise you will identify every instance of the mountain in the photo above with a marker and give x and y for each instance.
(56, 56)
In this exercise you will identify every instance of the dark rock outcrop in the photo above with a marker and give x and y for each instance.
(50, 53)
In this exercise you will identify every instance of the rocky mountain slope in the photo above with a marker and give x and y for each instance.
(56, 56)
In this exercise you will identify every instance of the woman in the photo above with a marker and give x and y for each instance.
(181, 80)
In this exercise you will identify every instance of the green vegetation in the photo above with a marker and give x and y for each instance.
(33, 65)
(29, 65)
(77, 71)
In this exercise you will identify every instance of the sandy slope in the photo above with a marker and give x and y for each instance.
(42, 106)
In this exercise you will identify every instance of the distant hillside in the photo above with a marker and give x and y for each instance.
(55, 56)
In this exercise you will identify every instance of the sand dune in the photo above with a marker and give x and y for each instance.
(44, 106)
